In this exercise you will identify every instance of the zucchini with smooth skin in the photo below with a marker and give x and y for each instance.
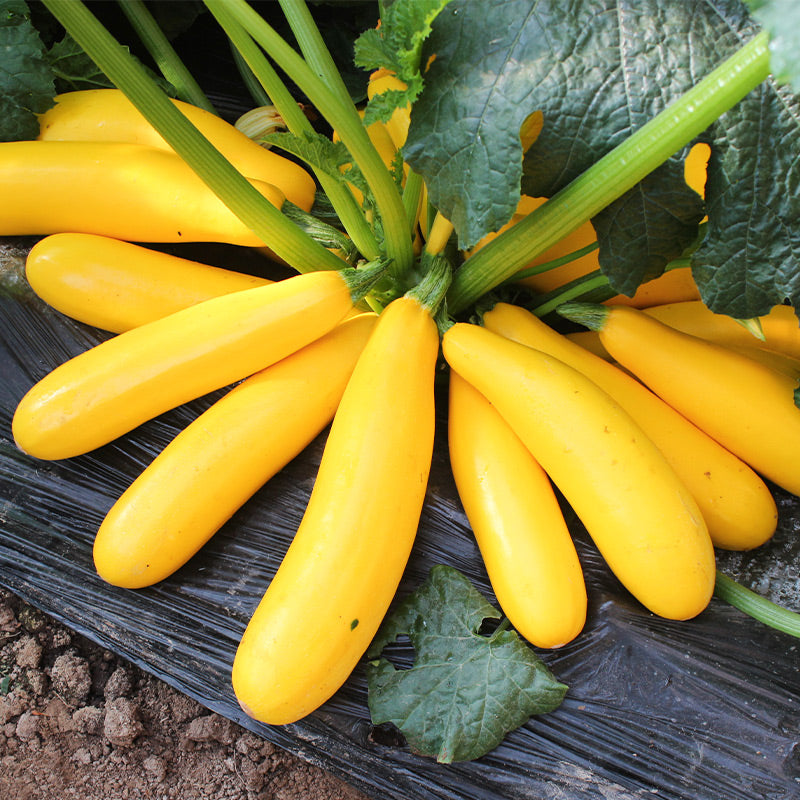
(519, 526)
(126, 191)
(116, 285)
(780, 327)
(115, 386)
(336, 581)
(735, 502)
(107, 115)
(223, 457)
(745, 405)
(642, 518)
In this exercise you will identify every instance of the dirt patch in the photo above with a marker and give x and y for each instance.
(78, 721)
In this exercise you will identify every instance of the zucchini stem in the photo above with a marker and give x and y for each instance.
(343, 202)
(360, 280)
(430, 291)
(163, 53)
(756, 606)
(344, 118)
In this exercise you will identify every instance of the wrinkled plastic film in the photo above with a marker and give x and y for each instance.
(707, 708)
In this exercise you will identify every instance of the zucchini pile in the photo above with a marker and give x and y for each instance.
(659, 429)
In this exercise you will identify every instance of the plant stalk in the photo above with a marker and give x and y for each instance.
(163, 53)
(341, 199)
(344, 118)
(756, 606)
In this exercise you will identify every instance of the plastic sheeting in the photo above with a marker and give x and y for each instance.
(708, 708)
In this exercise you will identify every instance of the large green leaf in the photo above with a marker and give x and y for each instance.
(26, 83)
(597, 70)
(465, 691)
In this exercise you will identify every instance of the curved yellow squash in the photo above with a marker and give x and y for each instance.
(642, 518)
(127, 191)
(335, 583)
(517, 521)
(222, 458)
(115, 386)
(107, 115)
(745, 405)
(736, 504)
(116, 285)
(781, 327)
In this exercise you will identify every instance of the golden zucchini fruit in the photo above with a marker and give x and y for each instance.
(115, 386)
(213, 466)
(736, 504)
(116, 285)
(744, 404)
(126, 191)
(341, 571)
(780, 327)
(518, 524)
(642, 518)
(107, 115)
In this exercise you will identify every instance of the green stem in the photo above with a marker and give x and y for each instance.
(252, 84)
(329, 237)
(586, 284)
(344, 118)
(591, 315)
(430, 291)
(596, 280)
(756, 606)
(347, 209)
(267, 222)
(504, 625)
(313, 47)
(412, 192)
(361, 280)
(553, 264)
(164, 55)
(612, 175)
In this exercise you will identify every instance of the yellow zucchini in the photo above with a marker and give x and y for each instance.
(107, 115)
(736, 504)
(745, 405)
(222, 458)
(644, 521)
(116, 285)
(397, 126)
(780, 326)
(126, 191)
(338, 577)
(519, 526)
(115, 386)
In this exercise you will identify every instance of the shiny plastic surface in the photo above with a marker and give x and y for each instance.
(696, 710)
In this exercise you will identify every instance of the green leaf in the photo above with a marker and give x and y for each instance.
(322, 154)
(26, 83)
(73, 69)
(465, 691)
(748, 261)
(781, 19)
(598, 71)
(397, 46)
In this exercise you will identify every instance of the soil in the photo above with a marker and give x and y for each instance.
(78, 721)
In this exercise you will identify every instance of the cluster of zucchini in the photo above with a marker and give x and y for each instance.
(657, 479)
